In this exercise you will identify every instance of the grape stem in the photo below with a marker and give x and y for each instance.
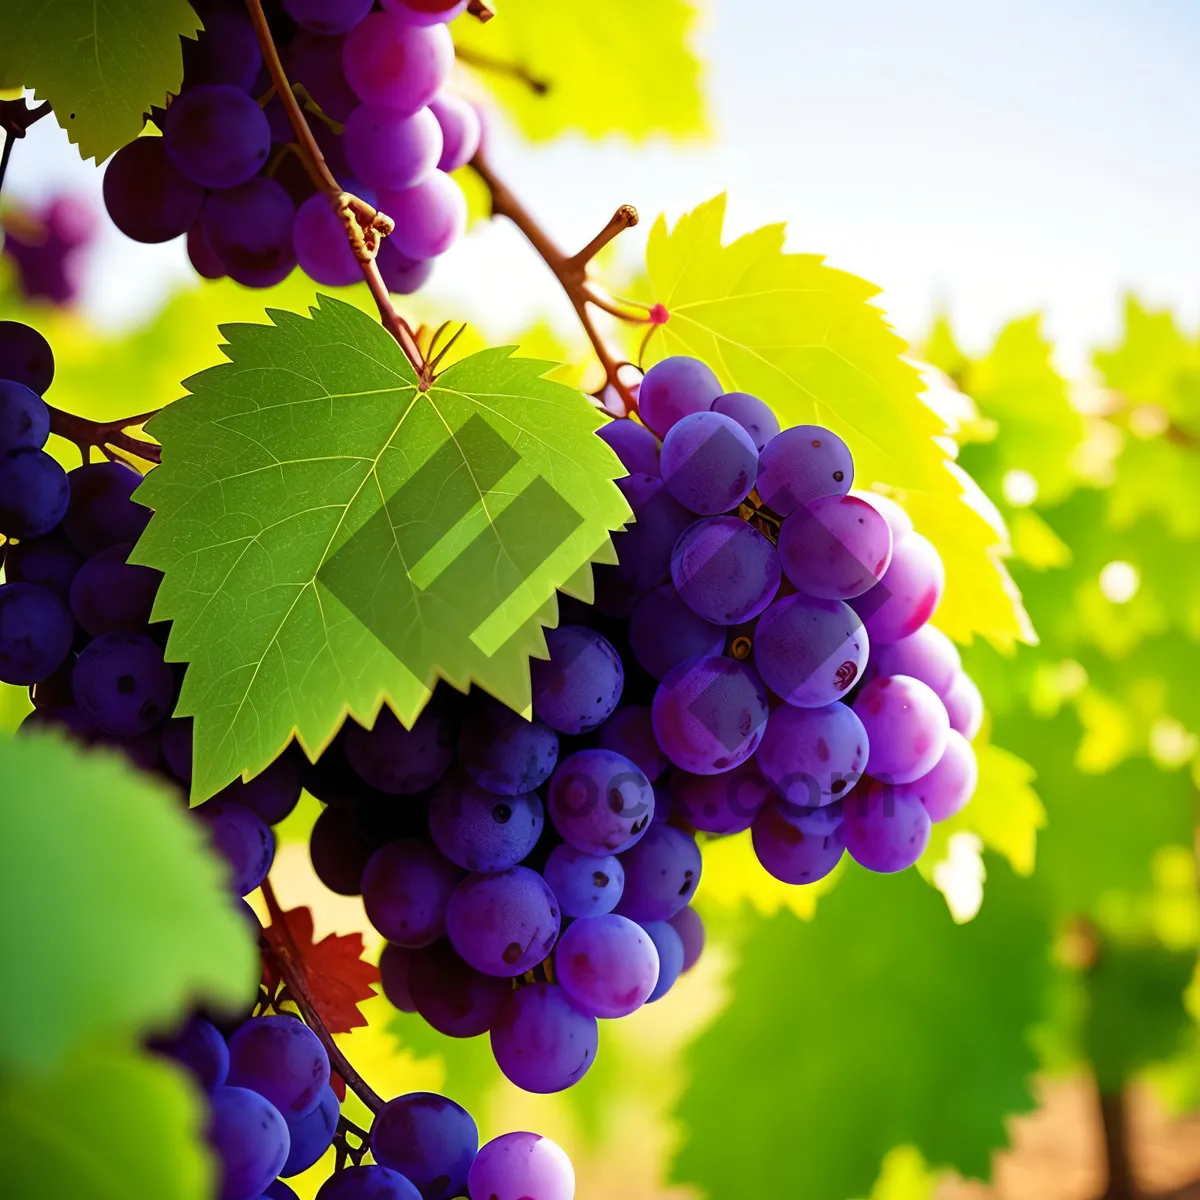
(288, 960)
(15, 118)
(571, 270)
(500, 66)
(480, 11)
(365, 226)
(105, 436)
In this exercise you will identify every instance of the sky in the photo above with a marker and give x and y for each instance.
(991, 158)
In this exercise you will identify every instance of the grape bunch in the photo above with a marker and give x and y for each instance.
(48, 246)
(226, 173)
(272, 1112)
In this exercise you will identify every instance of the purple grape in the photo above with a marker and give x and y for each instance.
(367, 1183)
(399, 761)
(725, 570)
(340, 850)
(906, 727)
(899, 522)
(327, 16)
(633, 444)
(122, 683)
(607, 965)
(886, 827)
(945, 789)
(402, 275)
(250, 1140)
(480, 831)
(503, 924)
(542, 1041)
(928, 655)
(36, 632)
(802, 463)
(48, 255)
(321, 246)
(395, 968)
(147, 197)
(708, 463)
(809, 651)
(101, 513)
(452, 996)
(669, 945)
(907, 595)
(33, 493)
(630, 732)
(24, 418)
(644, 550)
(429, 1139)
(813, 756)
(55, 690)
(661, 874)
(278, 1190)
(177, 747)
(389, 61)
(821, 820)
(835, 547)
(709, 714)
(430, 216)
(406, 887)
(225, 52)
(461, 130)
(273, 793)
(25, 356)
(521, 1166)
(426, 12)
(111, 595)
(204, 262)
(242, 839)
(249, 229)
(281, 1059)
(586, 885)
(312, 1134)
(600, 802)
(505, 753)
(216, 135)
(143, 751)
(388, 151)
(580, 684)
(722, 804)
(790, 855)
(65, 717)
(316, 62)
(199, 1047)
(755, 417)
(664, 632)
(673, 389)
(690, 927)
(964, 706)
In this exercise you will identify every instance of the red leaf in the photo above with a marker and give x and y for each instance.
(337, 977)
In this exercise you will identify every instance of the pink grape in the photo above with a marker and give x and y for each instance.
(461, 130)
(906, 726)
(430, 216)
(907, 595)
(672, 389)
(835, 547)
(790, 855)
(607, 965)
(928, 655)
(964, 706)
(390, 61)
(886, 828)
(946, 788)
(426, 12)
(389, 151)
(899, 522)
(521, 1166)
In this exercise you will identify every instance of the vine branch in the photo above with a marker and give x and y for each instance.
(15, 119)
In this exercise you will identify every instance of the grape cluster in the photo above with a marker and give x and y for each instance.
(273, 1112)
(47, 245)
(222, 173)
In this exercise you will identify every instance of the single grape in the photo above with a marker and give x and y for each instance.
(205, 263)
(586, 885)
(399, 761)
(429, 1139)
(505, 753)
(664, 632)
(249, 1139)
(461, 130)
(480, 831)
(673, 389)
(406, 887)
(644, 550)
(821, 820)
(790, 855)
(148, 198)
(36, 632)
(101, 512)
(802, 463)
(389, 61)
(225, 52)
(216, 135)
(503, 924)
(452, 996)
(633, 444)
(630, 732)
(580, 684)
(607, 965)
(899, 522)
(669, 945)
(521, 1166)
(24, 418)
(281, 1059)
(690, 927)
(708, 463)
(316, 62)
(25, 356)
(709, 714)
(812, 756)
(722, 804)
(402, 275)
(661, 874)
(122, 683)
(600, 802)
(340, 850)
(928, 655)
(242, 839)
(430, 216)
(945, 789)
(278, 1190)
(835, 547)
(273, 793)
(367, 1183)
(755, 417)
(886, 827)
(321, 246)
(34, 493)
(199, 1047)
(725, 570)
(389, 151)
(249, 229)
(542, 1041)
(906, 727)
(809, 651)
(907, 595)
(964, 706)
(327, 16)
(395, 968)
(112, 595)
(312, 1134)
(426, 12)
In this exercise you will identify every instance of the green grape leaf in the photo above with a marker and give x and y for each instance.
(619, 67)
(107, 1124)
(102, 66)
(807, 339)
(125, 917)
(332, 537)
(862, 1020)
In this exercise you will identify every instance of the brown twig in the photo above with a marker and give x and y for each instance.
(287, 958)
(1121, 1183)
(15, 119)
(571, 271)
(103, 435)
(480, 11)
(502, 66)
